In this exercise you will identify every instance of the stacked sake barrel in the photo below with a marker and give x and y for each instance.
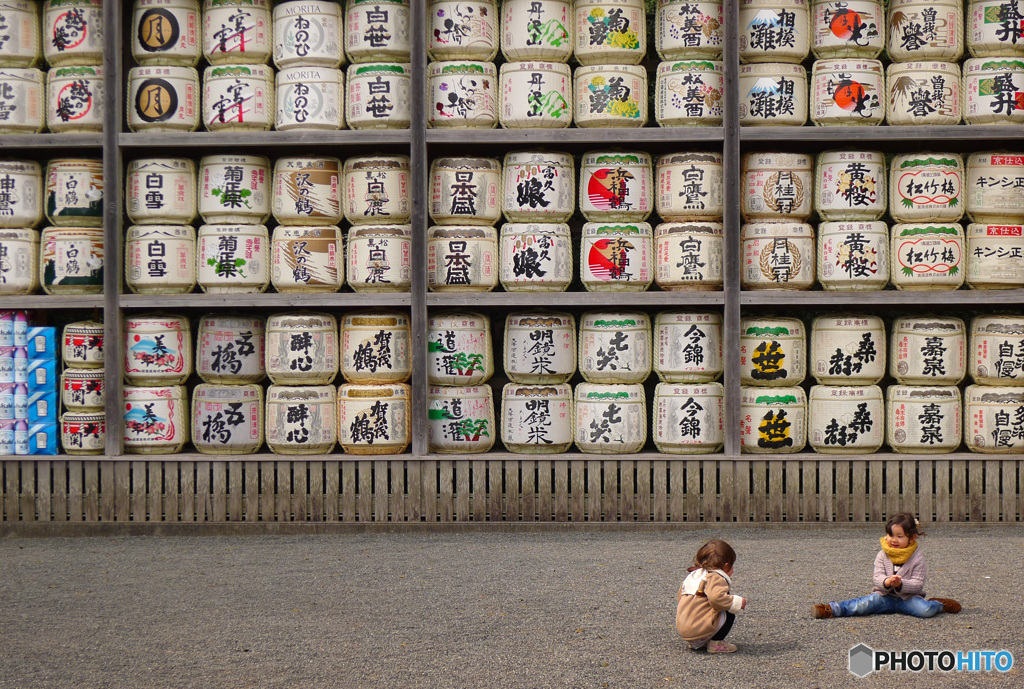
(610, 85)
(82, 391)
(774, 39)
(993, 415)
(773, 364)
(535, 83)
(690, 78)
(462, 78)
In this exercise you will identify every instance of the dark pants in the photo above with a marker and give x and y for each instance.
(726, 627)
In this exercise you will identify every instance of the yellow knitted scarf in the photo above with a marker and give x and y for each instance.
(898, 555)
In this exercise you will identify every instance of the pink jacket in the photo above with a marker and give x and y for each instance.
(913, 572)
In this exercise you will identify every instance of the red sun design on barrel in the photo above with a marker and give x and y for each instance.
(608, 188)
(609, 258)
(849, 95)
(845, 24)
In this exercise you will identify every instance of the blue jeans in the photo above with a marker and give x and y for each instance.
(877, 604)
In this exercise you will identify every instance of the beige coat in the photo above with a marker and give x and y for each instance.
(702, 598)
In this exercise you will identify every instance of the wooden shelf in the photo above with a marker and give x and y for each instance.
(860, 300)
(591, 137)
(214, 141)
(996, 134)
(577, 299)
(52, 301)
(50, 141)
(348, 300)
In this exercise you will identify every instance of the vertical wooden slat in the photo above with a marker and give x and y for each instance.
(283, 502)
(27, 498)
(991, 490)
(529, 490)
(925, 490)
(709, 507)
(140, 492)
(976, 497)
(316, 491)
(876, 497)
(942, 503)
(495, 496)
(644, 509)
(334, 506)
(545, 504)
(593, 490)
(741, 492)
(237, 476)
(659, 488)
(826, 491)
(759, 491)
(397, 490)
(365, 501)
(893, 492)
(43, 491)
(446, 506)
(253, 497)
(627, 490)
(6, 515)
(959, 473)
(776, 494)
(429, 478)
(221, 489)
(300, 490)
(414, 487)
(92, 490)
(479, 490)
(380, 486)
(561, 490)
(188, 491)
(726, 477)
(1009, 492)
(693, 490)
(171, 491)
(122, 490)
(809, 502)
(76, 490)
(577, 490)
(512, 490)
(154, 492)
(268, 490)
(610, 500)
(60, 491)
(909, 492)
(842, 510)
(350, 488)
(107, 490)
(860, 490)
(204, 502)
(792, 490)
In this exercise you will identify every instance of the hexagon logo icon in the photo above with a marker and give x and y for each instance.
(862, 660)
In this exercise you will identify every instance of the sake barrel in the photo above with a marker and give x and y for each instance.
(237, 31)
(19, 261)
(161, 191)
(460, 420)
(845, 419)
(617, 257)
(306, 191)
(464, 191)
(689, 30)
(233, 259)
(301, 420)
(922, 419)
(74, 192)
(848, 349)
(928, 350)
(774, 31)
(23, 47)
(462, 94)
(847, 28)
(689, 186)
(996, 350)
(302, 349)
(610, 32)
(163, 99)
(83, 389)
(238, 97)
(778, 255)
(610, 419)
(21, 203)
(773, 94)
(537, 30)
(234, 189)
(853, 256)
(71, 260)
(376, 347)
(540, 347)
(773, 420)
(850, 185)
(377, 30)
(160, 259)
(688, 419)
(535, 257)
(310, 98)
(462, 30)
(777, 186)
(378, 96)
(459, 348)
(989, 91)
(688, 256)
(167, 32)
(773, 351)
(158, 349)
(83, 344)
(923, 93)
(155, 419)
(927, 256)
(688, 346)
(379, 258)
(535, 95)
(615, 347)
(995, 187)
(376, 190)
(374, 419)
(74, 99)
(307, 259)
(926, 187)
(925, 30)
(994, 254)
(26, 104)
(462, 258)
(689, 93)
(848, 92)
(309, 33)
(73, 32)
(990, 30)
(616, 186)
(227, 419)
(993, 419)
(610, 96)
(536, 419)
(83, 433)
(231, 349)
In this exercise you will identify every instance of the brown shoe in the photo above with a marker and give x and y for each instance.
(948, 605)
(822, 611)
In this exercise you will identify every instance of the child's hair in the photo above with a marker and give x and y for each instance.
(714, 555)
(911, 527)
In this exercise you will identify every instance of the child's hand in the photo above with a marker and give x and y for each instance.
(744, 606)
(893, 581)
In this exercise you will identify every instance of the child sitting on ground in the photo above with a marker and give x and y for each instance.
(899, 579)
(705, 610)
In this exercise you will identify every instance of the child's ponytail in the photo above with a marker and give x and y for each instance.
(714, 555)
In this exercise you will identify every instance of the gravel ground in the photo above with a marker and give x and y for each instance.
(519, 609)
